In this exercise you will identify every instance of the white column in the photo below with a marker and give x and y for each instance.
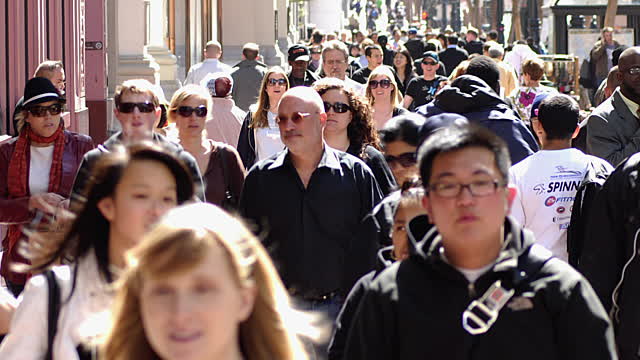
(133, 62)
(327, 15)
(158, 48)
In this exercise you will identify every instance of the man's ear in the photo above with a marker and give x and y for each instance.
(323, 118)
(511, 195)
(576, 132)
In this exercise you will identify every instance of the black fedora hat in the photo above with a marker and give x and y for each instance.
(39, 90)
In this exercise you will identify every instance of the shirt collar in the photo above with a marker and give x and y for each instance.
(633, 107)
(329, 159)
(452, 46)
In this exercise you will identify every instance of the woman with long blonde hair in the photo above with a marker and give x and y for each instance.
(384, 96)
(203, 288)
(260, 135)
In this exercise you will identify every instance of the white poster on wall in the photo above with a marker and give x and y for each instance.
(581, 41)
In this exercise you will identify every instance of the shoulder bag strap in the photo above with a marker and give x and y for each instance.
(54, 312)
(225, 174)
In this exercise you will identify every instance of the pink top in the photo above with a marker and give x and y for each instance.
(225, 121)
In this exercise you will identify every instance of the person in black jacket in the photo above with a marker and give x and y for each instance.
(414, 45)
(452, 55)
(609, 258)
(429, 305)
(479, 101)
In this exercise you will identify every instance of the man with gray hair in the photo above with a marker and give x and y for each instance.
(508, 78)
(315, 233)
(247, 76)
(335, 61)
(210, 65)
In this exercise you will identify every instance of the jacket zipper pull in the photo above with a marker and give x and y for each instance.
(472, 290)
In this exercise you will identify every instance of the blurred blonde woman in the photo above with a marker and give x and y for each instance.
(206, 289)
(384, 96)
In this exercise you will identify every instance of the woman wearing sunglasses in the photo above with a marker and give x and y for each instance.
(260, 134)
(37, 170)
(383, 95)
(219, 163)
(349, 128)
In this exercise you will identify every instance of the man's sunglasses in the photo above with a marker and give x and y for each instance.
(432, 63)
(407, 159)
(338, 107)
(40, 111)
(144, 107)
(186, 111)
(383, 84)
(296, 117)
(273, 82)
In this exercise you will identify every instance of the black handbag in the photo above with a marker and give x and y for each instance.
(230, 200)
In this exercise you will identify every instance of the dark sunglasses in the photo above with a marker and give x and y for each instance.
(40, 111)
(186, 111)
(144, 107)
(432, 63)
(383, 84)
(338, 107)
(407, 159)
(273, 82)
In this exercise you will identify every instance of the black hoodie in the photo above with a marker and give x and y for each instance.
(470, 96)
(413, 310)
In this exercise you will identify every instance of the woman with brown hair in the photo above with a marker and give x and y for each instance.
(129, 190)
(350, 128)
(219, 163)
(403, 65)
(260, 134)
(384, 96)
(37, 170)
(523, 96)
(206, 289)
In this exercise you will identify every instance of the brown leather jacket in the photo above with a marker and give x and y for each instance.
(16, 211)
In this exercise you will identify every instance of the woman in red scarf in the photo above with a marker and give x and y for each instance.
(37, 170)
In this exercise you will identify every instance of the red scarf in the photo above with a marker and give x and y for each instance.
(18, 184)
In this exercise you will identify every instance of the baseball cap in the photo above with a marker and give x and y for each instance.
(219, 84)
(431, 54)
(413, 31)
(298, 52)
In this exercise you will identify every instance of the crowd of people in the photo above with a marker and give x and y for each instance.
(381, 198)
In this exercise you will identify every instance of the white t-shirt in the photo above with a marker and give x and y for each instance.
(268, 140)
(39, 169)
(547, 182)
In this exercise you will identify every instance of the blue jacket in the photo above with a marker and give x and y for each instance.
(470, 96)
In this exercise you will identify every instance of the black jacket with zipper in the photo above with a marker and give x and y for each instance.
(413, 310)
(610, 258)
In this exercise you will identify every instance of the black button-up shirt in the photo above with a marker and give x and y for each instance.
(315, 235)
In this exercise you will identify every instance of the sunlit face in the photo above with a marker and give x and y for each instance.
(380, 93)
(146, 191)
(398, 149)
(404, 215)
(336, 123)
(45, 125)
(429, 67)
(57, 78)
(196, 314)
(608, 37)
(399, 60)
(334, 64)
(466, 218)
(375, 59)
(136, 125)
(275, 91)
(301, 124)
(193, 125)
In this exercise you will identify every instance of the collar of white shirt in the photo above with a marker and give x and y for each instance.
(633, 107)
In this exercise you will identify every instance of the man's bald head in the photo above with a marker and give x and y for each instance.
(305, 95)
(629, 58)
(629, 73)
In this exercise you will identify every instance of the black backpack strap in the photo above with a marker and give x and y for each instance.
(54, 311)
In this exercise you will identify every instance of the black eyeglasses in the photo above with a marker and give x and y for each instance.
(186, 111)
(144, 107)
(273, 82)
(477, 188)
(432, 63)
(338, 107)
(634, 70)
(40, 111)
(406, 159)
(383, 84)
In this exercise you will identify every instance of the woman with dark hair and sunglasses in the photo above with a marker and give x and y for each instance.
(349, 128)
(384, 96)
(403, 65)
(129, 190)
(37, 169)
(260, 134)
(220, 165)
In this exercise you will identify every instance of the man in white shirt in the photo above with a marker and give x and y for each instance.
(335, 61)
(210, 65)
(548, 180)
